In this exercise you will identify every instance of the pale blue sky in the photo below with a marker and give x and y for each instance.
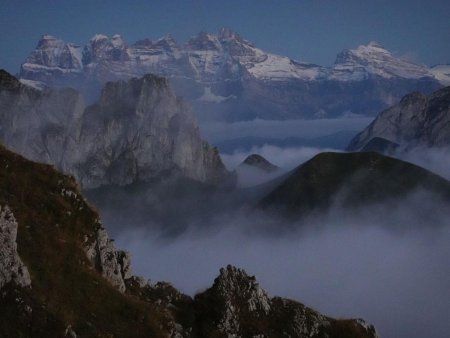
(308, 30)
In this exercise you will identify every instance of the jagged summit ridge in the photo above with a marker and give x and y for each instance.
(417, 120)
(243, 309)
(235, 282)
(53, 54)
(136, 131)
(227, 77)
(374, 59)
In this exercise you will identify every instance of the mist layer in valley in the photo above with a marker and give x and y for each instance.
(385, 262)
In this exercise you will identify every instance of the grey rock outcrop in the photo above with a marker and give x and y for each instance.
(138, 130)
(115, 265)
(11, 266)
(236, 306)
(417, 121)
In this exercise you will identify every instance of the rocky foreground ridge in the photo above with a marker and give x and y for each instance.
(417, 121)
(226, 77)
(137, 130)
(63, 276)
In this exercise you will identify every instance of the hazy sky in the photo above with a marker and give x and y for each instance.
(309, 30)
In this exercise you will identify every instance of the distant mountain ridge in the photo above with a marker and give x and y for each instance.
(417, 121)
(227, 77)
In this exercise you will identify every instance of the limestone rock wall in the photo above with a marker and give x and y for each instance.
(11, 266)
(138, 130)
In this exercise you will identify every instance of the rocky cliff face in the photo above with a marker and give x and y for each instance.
(83, 286)
(138, 130)
(11, 266)
(236, 306)
(417, 121)
(114, 265)
(226, 76)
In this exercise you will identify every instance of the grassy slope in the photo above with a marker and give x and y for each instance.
(65, 288)
(359, 178)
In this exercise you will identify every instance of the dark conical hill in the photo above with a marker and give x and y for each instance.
(359, 178)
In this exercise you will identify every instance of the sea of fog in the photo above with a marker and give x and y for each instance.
(388, 264)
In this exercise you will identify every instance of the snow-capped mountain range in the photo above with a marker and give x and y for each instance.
(228, 76)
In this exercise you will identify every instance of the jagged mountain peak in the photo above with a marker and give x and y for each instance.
(117, 40)
(204, 41)
(98, 37)
(363, 54)
(55, 53)
(241, 308)
(46, 38)
(228, 35)
(138, 129)
(375, 44)
(417, 120)
(375, 60)
(148, 87)
(101, 48)
(230, 275)
(235, 285)
(166, 43)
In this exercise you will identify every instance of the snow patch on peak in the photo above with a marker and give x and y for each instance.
(48, 37)
(280, 68)
(226, 33)
(373, 59)
(442, 74)
(204, 41)
(374, 44)
(166, 41)
(98, 37)
(118, 42)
